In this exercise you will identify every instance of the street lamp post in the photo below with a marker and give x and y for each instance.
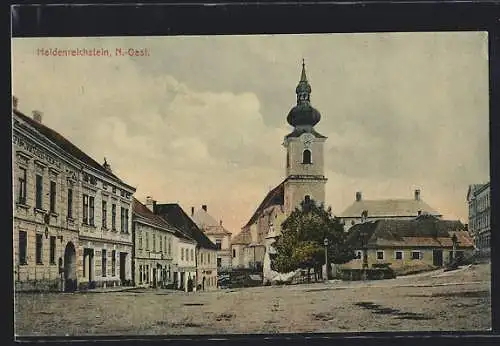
(325, 242)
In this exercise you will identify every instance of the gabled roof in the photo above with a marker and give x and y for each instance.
(242, 238)
(66, 145)
(424, 231)
(389, 208)
(208, 224)
(140, 211)
(474, 189)
(174, 215)
(274, 197)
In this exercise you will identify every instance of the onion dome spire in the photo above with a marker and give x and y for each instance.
(303, 114)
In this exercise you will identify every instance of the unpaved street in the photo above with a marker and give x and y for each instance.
(433, 301)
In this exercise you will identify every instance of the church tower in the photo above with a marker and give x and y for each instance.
(305, 177)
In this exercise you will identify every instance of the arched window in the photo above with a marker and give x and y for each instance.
(306, 156)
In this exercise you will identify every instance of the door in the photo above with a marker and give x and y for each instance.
(154, 277)
(437, 258)
(123, 259)
(69, 268)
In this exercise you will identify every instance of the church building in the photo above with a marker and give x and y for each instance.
(304, 180)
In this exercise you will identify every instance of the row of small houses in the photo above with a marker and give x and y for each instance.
(76, 225)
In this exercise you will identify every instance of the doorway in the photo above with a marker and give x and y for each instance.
(203, 284)
(437, 258)
(69, 268)
(123, 260)
(88, 264)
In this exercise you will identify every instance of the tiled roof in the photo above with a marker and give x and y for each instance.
(65, 145)
(143, 212)
(175, 216)
(242, 238)
(389, 208)
(297, 132)
(274, 197)
(208, 224)
(424, 231)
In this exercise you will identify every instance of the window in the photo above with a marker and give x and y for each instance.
(22, 247)
(182, 254)
(380, 255)
(122, 219)
(52, 196)
(307, 199)
(147, 241)
(218, 244)
(170, 246)
(126, 220)
(208, 260)
(113, 262)
(398, 255)
(91, 211)
(103, 262)
(219, 262)
(415, 255)
(202, 258)
(192, 255)
(139, 236)
(70, 203)
(306, 157)
(85, 209)
(154, 242)
(52, 250)
(161, 244)
(165, 244)
(39, 191)
(39, 248)
(287, 160)
(113, 217)
(22, 187)
(140, 274)
(104, 214)
(234, 253)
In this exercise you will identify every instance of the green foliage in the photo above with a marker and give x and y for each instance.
(303, 233)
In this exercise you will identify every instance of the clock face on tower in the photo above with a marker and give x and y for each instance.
(307, 139)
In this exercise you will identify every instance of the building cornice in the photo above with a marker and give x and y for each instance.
(143, 221)
(109, 241)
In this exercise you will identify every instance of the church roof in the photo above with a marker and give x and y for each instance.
(174, 215)
(423, 231)
(389, 208)
(64, 144)
(274, 197)
(208, 224)
(297, 132)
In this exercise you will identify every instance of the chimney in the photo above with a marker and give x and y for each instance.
(37, 116)
(358, 196)
(14, 102)
(417, 195)
(150, 203)
(204, 207)
(192, 211)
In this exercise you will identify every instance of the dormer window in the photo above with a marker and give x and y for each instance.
(306, 157)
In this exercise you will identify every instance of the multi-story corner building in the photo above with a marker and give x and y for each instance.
(205, 252)
(71, 214)
(478, 198)
(217, 233)
(185, 273)
(154, 247)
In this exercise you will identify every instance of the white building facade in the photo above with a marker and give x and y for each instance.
(478, 199)
(71, 214)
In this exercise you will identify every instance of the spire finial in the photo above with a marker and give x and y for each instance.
(303, 77)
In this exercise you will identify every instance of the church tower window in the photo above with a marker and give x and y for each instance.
(306, 157)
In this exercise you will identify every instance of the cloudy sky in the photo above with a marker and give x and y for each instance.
(201, 119)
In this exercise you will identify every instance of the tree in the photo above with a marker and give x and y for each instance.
(301, 243)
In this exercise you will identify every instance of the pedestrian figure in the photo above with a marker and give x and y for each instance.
(190, 285)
